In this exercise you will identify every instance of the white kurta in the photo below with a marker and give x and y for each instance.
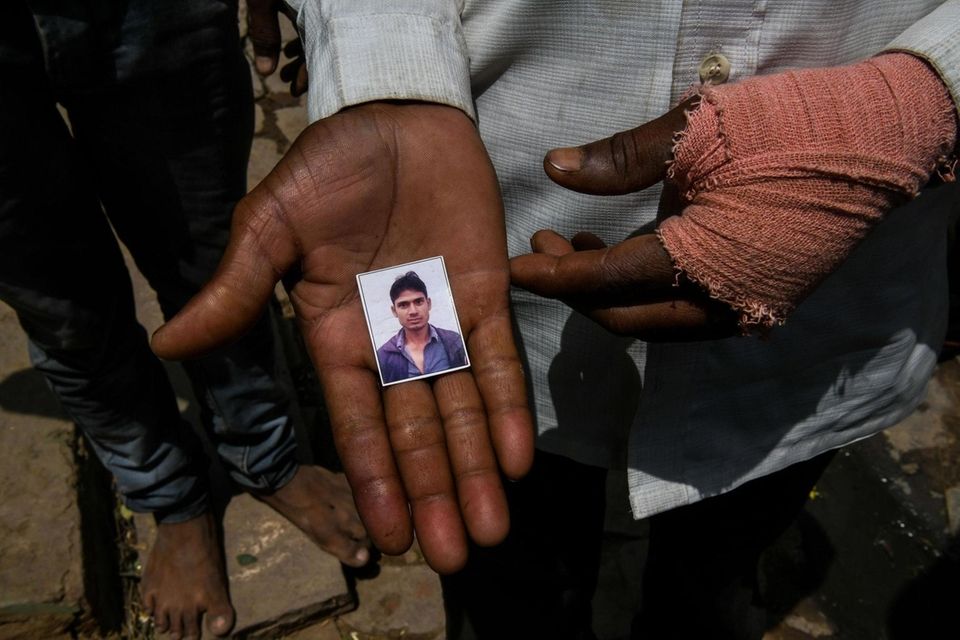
(688, 420)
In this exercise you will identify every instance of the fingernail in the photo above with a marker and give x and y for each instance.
(533, 239)
(363, 556)
(567, 159)
(220, 625)
(264, 64)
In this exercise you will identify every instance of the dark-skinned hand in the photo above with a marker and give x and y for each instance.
(630, 288)
(263, 29)
(371, 187)
(776, 194)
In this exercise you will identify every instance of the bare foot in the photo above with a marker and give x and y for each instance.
(185, 579)
(320, 503)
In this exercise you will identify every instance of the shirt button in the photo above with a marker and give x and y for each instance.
(715, 69)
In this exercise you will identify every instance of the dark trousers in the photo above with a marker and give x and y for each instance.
(700, 575)
(161, 120)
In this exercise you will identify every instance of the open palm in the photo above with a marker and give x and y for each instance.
(372, 187)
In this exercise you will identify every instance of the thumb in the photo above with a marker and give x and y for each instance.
(260, 251)
(623, 163)
(263, 27)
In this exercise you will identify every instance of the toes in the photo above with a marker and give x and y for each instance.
(320, 503)
(341, 534)
(176, 627)
(359, 557)
(353, 528)
(161, 622)
(149, 602)
(356, 543)
(191, 625)
(346, 550)
(361, 547)
(220, 619)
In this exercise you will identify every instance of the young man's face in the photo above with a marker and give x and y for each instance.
(412, 309)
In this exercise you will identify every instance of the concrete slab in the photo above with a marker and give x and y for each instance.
(41, 566)
(403, 600)
(805, 621)
(326, 630)
(952, 500)
(263, 158)
(274, 84)
(258, 119)
(928, 427)
(291, 121)
(259, 90)
(918, 457)
(288, 32)
(279, 580)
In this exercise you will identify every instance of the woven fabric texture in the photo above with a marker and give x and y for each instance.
(785, 174)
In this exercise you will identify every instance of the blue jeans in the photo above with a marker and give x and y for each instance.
(161, 111)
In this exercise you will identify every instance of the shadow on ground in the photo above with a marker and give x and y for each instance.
(26, 392)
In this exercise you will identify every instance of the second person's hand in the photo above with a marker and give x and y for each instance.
(630, 288)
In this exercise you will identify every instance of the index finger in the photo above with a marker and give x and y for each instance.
(636, 266)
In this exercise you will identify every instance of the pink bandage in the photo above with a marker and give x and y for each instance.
(784, 174)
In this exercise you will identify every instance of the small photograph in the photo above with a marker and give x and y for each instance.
(412, 321)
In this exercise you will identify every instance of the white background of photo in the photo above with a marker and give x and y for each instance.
(375, 288)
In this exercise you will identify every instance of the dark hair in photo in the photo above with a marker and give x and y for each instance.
(409, 281)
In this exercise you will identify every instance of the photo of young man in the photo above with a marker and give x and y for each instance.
(418, 347)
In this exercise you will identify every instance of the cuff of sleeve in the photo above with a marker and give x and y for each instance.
(936, 39)
(359, 59)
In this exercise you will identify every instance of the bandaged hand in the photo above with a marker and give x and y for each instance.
(774, 181)
(784, 175)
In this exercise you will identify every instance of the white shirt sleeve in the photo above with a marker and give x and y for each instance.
(364, 50)
(936, 39)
